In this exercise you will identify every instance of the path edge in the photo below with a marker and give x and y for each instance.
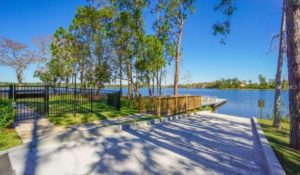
(273, 165)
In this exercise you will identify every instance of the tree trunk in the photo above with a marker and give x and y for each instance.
(149, 85)
(19, 75)
(121, 74)
(157, 83)
(129, 77)
(177, 62)
(153, 86)
(137, 84)
(278, 86)
(293, 54)
(160, 82)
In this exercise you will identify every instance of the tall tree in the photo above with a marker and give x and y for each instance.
(90, 27)
(278, 87)
(153, 61)
(61, 64)
(172, 17)
(17, 56)
(43, 43)
(121, 40)
(293, 55)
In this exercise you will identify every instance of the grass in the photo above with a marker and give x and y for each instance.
(279, 141)
(101, 111)
(9, 138)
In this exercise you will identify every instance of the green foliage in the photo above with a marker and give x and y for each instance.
(226, 7)
(7, 113)
(153, 60)
(235, 83)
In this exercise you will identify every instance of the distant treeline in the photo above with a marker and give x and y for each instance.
(235, 83)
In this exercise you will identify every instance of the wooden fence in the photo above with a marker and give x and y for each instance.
(169, 105)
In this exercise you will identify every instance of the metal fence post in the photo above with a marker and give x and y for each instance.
(46, 100)
(10, 93)
(118, 100)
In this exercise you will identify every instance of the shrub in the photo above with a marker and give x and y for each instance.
(132, 104)
(7, 113)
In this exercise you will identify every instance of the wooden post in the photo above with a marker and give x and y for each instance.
(186, 104)
(167, 106)
(158, 107)
(140, 104)
(200, 102)
(176, 104)
(194, 104)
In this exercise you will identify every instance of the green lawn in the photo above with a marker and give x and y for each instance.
(107, 113)
(101, 111)
(279, 141)
(9, 138)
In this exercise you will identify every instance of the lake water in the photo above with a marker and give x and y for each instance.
(242, 103)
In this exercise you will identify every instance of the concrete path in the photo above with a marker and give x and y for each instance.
(37, 127)
(41, 127)
(203, 144)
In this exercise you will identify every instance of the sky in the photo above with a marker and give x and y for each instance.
(245, 55)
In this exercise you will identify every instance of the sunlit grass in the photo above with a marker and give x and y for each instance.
(279, 141)
(102, 112)
(8, 138)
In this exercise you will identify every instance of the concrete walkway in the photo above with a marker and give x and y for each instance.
(42, 127)
(204, 144)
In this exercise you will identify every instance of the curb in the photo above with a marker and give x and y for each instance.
(273, 166)
(75, 134)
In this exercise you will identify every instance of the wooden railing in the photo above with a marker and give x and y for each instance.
(169, 105)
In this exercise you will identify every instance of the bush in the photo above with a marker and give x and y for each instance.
(131, 104)
(7, 113)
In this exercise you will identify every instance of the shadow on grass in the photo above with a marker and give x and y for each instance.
(100, 111)
(279, 141)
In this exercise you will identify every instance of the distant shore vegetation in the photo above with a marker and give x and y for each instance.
(231, 83)
(235, 83)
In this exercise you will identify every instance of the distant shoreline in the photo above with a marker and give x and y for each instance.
(70, 85)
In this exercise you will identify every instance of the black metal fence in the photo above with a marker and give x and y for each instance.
(71, 100)
(35, 101)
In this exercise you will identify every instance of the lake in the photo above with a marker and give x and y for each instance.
(242, 103)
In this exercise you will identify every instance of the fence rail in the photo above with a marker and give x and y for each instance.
(169, 105)
(35, 101)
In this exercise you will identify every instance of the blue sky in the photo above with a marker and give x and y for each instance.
(244, 56)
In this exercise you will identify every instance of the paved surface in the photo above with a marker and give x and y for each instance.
(204, 144)
(38, 127)
(41, 127)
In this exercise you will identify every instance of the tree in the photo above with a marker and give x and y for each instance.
(17, 56)
(262, 82)
(43, 43)
(293, 55)
(172, 17)
(153, 61)
(278, 86)
(61, 65)
(90, 28)
(121, 38)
